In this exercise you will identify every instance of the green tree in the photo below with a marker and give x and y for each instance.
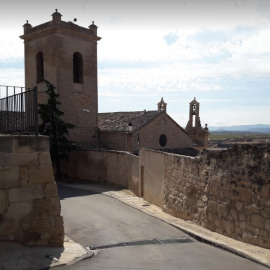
(53, 126)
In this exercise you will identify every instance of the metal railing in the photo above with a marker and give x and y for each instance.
(18, 110)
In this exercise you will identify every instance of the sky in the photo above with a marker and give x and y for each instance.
(215, 50)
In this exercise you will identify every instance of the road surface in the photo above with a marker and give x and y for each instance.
(126, 238)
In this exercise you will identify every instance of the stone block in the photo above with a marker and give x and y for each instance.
(234, 213)
(171, 199)
(18, 210)
(245, 197)
(40, 224)
(44, 158)
(40, 174)
(28, 144)
(239, 206)
(265, 214)
(243, 225)
(249, 238)
(225, 194)
(212, 206)
(51, 190)
(58, 222)
(4, 159)
(10, 176)
(45, 236)
(264, 242)
(242, 217)
(217, 221)
(264, 233)
(57, 241)
(8, 227)
(6, 144)
(25, 194)
(257, 221)
(43, 207)
(222, 210)
(204, 198)
(56, 202)
(3, 201)
(20, 159)
(228, 227)
(31, 237)
(265, 202)
(24, 175)
(267, 225)
(251, 228)
(252, 209)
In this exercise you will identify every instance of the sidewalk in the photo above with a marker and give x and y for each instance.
(15, 256)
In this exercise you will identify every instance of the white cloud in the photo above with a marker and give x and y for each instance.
(218, 46)
(12, 77)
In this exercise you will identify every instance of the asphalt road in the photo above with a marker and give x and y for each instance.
(126, 238)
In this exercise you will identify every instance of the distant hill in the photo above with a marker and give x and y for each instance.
(259, 128)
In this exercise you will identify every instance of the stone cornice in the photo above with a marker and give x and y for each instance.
(64, 28)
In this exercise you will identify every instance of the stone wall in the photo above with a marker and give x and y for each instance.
(152, 176)
(114, 167)
(29, 203)
(226, 191)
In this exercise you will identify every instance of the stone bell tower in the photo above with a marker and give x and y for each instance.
(194, 129)
(65, 54)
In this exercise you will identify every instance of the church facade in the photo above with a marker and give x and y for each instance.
(65, 54)
(129, 131)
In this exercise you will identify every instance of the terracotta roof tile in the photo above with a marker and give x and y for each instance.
(118, 121)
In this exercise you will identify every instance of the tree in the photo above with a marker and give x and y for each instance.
(53, 126)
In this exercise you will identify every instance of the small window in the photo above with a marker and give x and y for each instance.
(39, 67)
(77, 68)
(162, 140)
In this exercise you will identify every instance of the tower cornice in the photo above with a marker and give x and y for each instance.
(67, 29)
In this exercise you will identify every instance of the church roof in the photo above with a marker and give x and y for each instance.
(118, 121)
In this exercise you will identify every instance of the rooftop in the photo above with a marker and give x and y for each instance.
(118, 121)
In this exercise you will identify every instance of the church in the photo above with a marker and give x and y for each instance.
(65, 54)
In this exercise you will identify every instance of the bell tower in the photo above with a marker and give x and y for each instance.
(194, 114)
(194, 129)
(65, 54)
(162, 106)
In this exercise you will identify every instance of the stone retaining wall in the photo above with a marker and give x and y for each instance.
(226, 191)
(29, 202)
(120, 168)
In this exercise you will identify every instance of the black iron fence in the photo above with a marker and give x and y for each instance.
(18, 110)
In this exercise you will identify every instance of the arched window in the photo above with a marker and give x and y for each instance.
(39, 67)
(163, 140)
(77, 68)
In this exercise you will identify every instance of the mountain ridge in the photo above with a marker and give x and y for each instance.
(258, 128)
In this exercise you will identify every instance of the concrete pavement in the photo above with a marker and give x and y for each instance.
(251, 252)
(14, 256)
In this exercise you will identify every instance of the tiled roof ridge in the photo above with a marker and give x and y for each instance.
(130, 111)
(118, 121)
